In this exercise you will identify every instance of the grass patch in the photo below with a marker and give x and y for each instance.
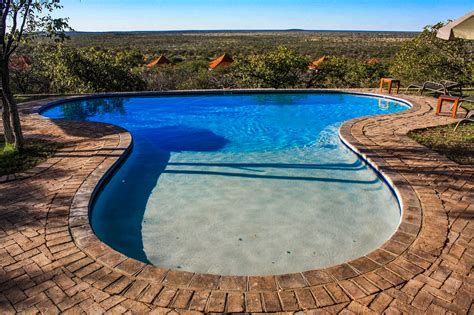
(34, 152)
(455, 145)
(28, 98)
(468, 105)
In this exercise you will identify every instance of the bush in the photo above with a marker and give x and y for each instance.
(344, 72)
(91, 70)
(220, 78)
(162, 79)
(188, 76)
(65, 69)
(282, 68)
(27, 74)
(428, 58)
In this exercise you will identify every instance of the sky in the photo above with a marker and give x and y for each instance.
(156, 15)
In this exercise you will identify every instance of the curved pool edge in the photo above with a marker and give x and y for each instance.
(70, 98)
(346, 143)
(385, 268)
(99, 179)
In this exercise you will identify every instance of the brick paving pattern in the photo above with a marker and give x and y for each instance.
(51, 262)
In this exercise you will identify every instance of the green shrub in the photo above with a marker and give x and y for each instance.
(87, 70)
(345, 72)
(428, 58)
(282, 68)
(187, 76)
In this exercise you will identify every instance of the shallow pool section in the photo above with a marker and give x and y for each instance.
(240, 184)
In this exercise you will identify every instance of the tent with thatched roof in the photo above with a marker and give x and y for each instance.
(222, 61)
(160, 61)
(314, 65)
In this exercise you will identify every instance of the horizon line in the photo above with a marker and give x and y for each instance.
(245, 30)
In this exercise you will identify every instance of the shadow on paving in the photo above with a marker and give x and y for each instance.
(83, 130)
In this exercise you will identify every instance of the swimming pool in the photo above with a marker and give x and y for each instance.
(240, 184)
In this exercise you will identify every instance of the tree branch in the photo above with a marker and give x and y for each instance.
(13, 30)
(22, 26)
(3, 27)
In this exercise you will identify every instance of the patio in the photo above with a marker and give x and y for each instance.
(51, 261)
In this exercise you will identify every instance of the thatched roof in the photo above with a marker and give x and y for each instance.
(160, 61)
(317, 63)
(222, 61)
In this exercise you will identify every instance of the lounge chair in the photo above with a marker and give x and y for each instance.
(452, 86)
(470, 113)
(442, 87)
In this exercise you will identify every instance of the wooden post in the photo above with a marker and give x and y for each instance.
(438, 106)
(455, 107)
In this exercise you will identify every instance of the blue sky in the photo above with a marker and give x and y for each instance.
(122, 15)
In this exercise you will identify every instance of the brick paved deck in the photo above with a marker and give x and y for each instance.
(51, 261)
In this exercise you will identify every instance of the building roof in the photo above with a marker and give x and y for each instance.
(160, 61)
(222, 61)
(316, 63)
(373, 60)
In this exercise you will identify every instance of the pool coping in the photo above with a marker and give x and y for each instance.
(110, 172)
(93, 185)
(398, 260)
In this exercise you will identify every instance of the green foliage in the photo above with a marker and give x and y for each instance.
(22, 20)
(91, 70)
(282, 68)
(221, 78)
(345, 72)
(164, 78)
(41, 21)
(28, 74)
(69, 69)
(8, 149)
(189, 46)
(27, 20)
(191, 75)
(428, 58)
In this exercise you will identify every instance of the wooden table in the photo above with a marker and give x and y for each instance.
(448, 98)
(389, 82)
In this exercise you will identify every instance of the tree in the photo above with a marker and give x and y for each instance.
(346, 72)
(90, 70)
(428, 58)
(22, 20)
(282, 68)
(27, 75)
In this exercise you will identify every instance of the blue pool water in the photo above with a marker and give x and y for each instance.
(240, 184)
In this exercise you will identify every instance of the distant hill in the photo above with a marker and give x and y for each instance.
(80, 33)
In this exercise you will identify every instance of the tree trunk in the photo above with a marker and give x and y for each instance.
(7, 127)
(9, 104)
